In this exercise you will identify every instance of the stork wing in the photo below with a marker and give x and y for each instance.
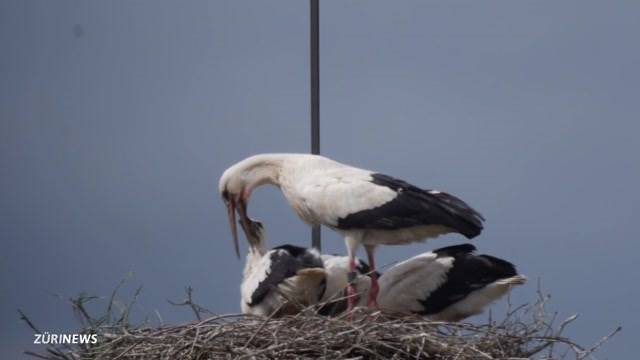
(275, 267)
(408, 207)
(469, 273)
(406, 284)
(431, 282)
(329, 195)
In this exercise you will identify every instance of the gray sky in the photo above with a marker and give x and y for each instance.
(117, 118)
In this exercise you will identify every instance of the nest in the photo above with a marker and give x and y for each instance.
(525, 332)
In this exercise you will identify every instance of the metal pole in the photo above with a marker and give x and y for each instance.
(314, 33)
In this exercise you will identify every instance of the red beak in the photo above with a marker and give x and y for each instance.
(231, 214)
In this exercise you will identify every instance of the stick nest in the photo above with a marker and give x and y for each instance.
(527, 331)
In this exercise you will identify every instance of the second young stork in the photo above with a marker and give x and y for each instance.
(447, 284)
(366, 207)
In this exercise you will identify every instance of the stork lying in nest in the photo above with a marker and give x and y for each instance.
(447, 284)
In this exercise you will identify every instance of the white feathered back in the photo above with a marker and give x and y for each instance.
(404, 284)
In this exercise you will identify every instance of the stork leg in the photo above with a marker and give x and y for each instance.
(352, 246)
(351, 289)
(373, 292)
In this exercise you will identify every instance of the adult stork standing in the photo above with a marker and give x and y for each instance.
(447, 284)
(279, 281)
(366, 207)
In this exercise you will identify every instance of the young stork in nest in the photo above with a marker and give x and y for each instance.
(280, 281)
(366, 207)
(447, 284)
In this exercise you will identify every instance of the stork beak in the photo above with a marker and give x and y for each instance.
(242, 210)
(231, 215)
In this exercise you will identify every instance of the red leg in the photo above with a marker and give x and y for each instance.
(373, 293)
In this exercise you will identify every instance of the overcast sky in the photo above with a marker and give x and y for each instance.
(118, 117)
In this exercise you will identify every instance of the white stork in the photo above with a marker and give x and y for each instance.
(368, 208)
(447, 284)
(280, 281)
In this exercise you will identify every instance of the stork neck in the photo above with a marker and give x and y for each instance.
(263, 169)
(255, 254)
(258, 249)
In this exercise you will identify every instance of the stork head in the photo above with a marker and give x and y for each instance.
(254, 231)
(231, 188)
(237, 182)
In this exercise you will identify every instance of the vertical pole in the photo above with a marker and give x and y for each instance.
(314, 33)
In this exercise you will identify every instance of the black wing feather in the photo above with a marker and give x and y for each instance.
(286, 261)
(469, 273)
(455, 251)
(415, 207)
(363, 268)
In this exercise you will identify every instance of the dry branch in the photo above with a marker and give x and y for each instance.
(526, 332)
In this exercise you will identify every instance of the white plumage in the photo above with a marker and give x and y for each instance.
(447, 284)
(366, 207)
(280, 281)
